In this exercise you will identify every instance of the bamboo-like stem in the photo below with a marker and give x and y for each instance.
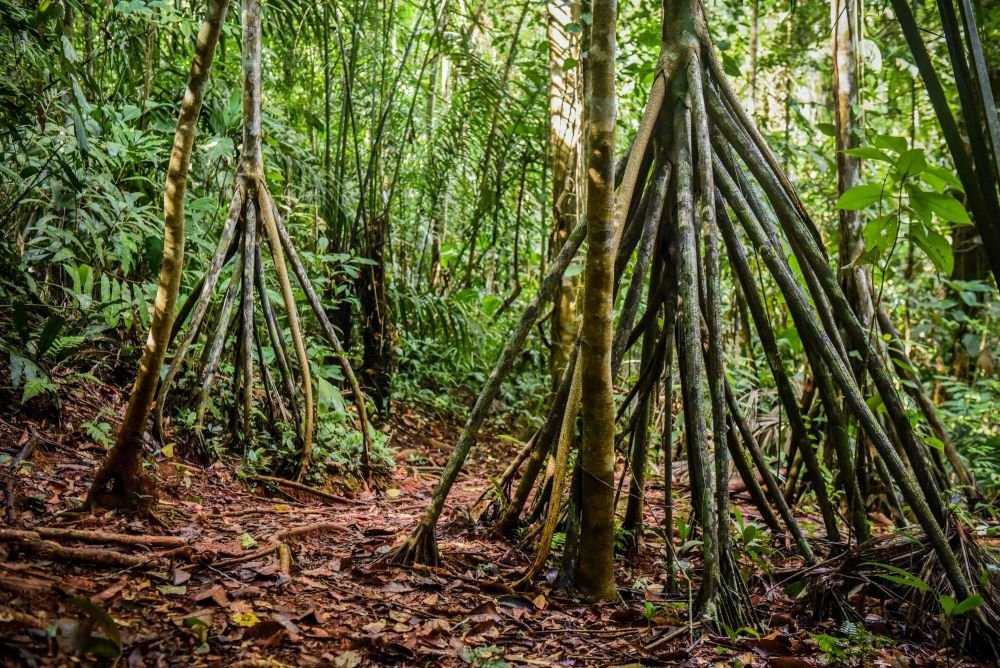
(567, 434)
(741, 268)
(689, 342)
(777, 498)
(632, 521)
(711, 309)
(122, 469)
(208, 283)
(812, 255)
(328, 331)
(650, 232)
(216, 342)
(543, 444)
(278, 344)
(743, 467)
(666, 444)
(245, 353)
(423, 537)
(913, 387)
(278, 257)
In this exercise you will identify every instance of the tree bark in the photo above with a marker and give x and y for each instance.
(122, 469)
(376, 373)
(564, 150)
(855, 279)
(595, 569)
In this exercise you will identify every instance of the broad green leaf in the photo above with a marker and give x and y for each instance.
(69, 51)
(860, 196)
(935, 443)
(880, 233)
(897, 144)
(81, 138)
(946, 176)
(78, 97)
(967, 605)
(21, 321)
(869, 153)
(911, 163)
(49, 333)
(329, 395)
(829, 131)
(875, 403)
(945, 206)
(935, 246)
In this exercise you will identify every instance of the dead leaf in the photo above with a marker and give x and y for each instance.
(397, 588)
(374, 627)
(348, 659)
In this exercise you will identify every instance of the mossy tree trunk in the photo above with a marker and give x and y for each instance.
(595, 566)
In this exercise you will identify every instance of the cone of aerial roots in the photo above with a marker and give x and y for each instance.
(252, 217)
(699, 181)
(905, 569)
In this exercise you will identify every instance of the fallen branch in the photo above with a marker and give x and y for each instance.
(284, 559)
(33, 542)
(278, 541)
(9, 616)
(304, 488)
(85, 536)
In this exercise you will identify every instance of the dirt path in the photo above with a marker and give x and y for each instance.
(341, 605)
(228, 599)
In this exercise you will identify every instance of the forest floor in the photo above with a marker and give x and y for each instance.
(223, 598)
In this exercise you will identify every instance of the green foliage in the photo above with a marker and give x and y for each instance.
(911, 197)
(954, 608)
(448, 345)
(98, 430)
(900, 576)
(485, 657)
(855, 647)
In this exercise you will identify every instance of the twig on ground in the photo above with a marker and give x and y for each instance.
(304, 488)
(278, 540)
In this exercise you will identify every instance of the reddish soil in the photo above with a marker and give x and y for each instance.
(341, 605)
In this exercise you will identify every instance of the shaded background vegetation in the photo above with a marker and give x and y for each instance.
(431, 119)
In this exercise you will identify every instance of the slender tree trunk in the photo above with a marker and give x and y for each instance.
(122, 469)
(855, 279)
(595, 569)
(564, 151)
(754, 48)
(376, 375)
